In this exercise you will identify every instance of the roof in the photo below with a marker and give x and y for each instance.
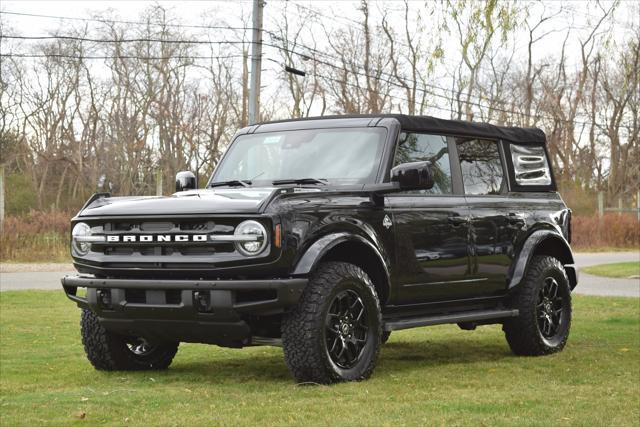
(449, 127)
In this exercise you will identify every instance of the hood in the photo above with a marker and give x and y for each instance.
(206, 201)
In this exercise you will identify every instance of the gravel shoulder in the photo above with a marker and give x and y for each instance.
(34, 267)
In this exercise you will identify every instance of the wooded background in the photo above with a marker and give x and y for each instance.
(104, 102)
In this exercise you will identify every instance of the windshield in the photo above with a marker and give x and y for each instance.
(339, 156)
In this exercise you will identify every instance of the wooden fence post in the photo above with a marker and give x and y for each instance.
(600, 204)
(620, 206)
(159, 183)
(1, 197)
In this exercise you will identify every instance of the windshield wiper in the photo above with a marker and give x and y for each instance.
(232, 183)
(301, 181)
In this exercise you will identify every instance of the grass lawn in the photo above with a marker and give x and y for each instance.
(619, 269)
(431, 376)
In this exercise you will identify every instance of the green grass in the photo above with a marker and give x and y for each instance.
(430, 376)
(619, 269)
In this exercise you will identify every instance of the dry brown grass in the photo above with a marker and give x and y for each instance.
(610, 231)
(36, 237)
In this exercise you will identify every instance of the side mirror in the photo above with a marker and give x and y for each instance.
(413, 176)
(185, 180)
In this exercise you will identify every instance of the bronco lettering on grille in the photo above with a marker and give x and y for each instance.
(150, 238)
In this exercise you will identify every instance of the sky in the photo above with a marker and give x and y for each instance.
(335, 15)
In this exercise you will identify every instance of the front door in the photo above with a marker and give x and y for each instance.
(431, 227)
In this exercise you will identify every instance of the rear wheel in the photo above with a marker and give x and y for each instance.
(544, 302)
(333, 334)
(111, 352)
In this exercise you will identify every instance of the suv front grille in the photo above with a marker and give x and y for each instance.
(191, 249)
(167, 244)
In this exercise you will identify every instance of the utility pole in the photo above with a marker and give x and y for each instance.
(256, 62)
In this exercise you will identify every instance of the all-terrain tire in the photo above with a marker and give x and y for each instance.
(304, 333)
(525, 334)
(109, 352)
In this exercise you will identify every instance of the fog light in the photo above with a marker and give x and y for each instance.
(202, 300)
(104, 298)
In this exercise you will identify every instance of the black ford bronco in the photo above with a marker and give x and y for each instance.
(325, 235)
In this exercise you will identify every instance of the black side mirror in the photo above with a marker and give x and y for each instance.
(413, 176)
(185, 180)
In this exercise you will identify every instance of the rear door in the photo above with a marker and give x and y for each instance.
(431, 226)
(493, 225)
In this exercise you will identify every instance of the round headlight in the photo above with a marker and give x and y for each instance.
(252, 238)
(80, 230)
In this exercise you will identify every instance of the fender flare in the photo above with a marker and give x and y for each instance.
(312, 256)
(561, 250)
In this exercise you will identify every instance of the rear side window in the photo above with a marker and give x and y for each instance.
(482, 171)
(418, 147)
(530, 165)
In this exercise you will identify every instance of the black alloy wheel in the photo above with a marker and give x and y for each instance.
(549, 308)
(140, 346)
(346, 329)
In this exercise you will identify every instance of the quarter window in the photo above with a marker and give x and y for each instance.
(482, 171)
(417, 147)
(530, 165)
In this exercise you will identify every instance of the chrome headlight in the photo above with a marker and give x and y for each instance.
(251, 238)
(81, 238)
(78, 238)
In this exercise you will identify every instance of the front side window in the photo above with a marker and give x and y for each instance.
(418, 147)
(340, 156)
(482, 171)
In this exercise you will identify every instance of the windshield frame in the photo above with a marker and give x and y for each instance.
(392, 127)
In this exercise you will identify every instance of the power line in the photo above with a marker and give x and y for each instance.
(135, 40)
(377, 78)
(281, 48)
(146, 58)
(388, 78)
(117, 21)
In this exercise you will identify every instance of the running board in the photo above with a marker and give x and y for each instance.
(469, 316)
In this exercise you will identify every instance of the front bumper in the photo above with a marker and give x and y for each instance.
(207, 311)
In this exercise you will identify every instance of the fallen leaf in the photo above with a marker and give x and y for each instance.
(84, 399)
(624, 349)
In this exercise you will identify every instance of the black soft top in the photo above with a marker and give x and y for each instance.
(449, 127)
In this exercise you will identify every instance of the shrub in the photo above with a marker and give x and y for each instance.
(610, 231)
(37, 236)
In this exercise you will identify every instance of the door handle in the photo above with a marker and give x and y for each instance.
(456, 220)
(515, 218)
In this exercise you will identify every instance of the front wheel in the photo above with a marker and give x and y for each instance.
(111, 352)
(544, 303)
(333, 334)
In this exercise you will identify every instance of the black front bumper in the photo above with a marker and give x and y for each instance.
(207, 311)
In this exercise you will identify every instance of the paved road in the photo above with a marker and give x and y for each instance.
(595, 285)
(588, 285)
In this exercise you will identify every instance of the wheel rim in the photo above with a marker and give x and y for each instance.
(140, 347)
(346, 329)
(549, 308)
